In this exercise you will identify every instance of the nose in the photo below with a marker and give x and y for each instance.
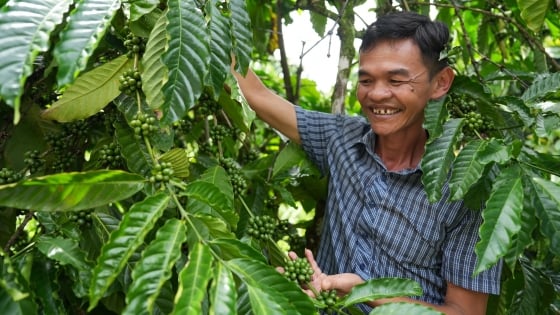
(379, 91)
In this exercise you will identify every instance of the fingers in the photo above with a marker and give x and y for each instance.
(342, 283)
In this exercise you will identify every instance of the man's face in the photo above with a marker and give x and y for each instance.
(394, 87)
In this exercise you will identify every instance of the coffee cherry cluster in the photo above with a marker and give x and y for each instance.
(473, 120)
(329, 298)
(207, 105)
(219, 132)
(130, 82)
(162, 173)
(298, 270)
(135, 45)
(248, 155)
(110, 156)
(143, 124)
(235, 176)
(82, 218)
(33, 161)
(8, 176)
(262, 227)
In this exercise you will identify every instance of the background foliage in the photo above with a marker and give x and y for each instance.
(131, 171)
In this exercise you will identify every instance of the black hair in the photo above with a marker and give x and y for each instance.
(431, 37)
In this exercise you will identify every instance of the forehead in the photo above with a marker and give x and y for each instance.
(392, 57)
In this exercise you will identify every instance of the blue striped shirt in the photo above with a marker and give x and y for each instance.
(380, 223)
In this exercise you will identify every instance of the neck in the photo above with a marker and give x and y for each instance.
(399, 153)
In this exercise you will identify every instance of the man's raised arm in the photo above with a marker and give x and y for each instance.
(270, 107)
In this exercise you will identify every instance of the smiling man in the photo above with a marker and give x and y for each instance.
(378, 221)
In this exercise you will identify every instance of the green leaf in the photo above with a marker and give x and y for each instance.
(381, 288)
(501, 218)
(70, 191)
(186, 59)
(435, 116)
(44, 283)
(193, 281)
(223, 294)
(90, 93)
(220, 46)
(404, 308)
(135, 154)
(524, 237)
(534, 12)
(290, 156)
(546, 200)
(65, 251)
(155, 267)
(139, 8)
(214, 189)
(243, 38)
(497, 151)
(154, 74)
(21, 307)
(467, 170)
(179, 160)
(438, 158)
(541, 87)
(134, 227)
(87, 23)
(26, 27)
(228, 249)
(268, 287)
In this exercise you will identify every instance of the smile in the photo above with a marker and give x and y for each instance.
(384, 111)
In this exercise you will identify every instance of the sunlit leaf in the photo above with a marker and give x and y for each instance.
(179, 161)
(154, 75)
(70, 191)
(186, 58)
(26, 27)
(534, 12)
(90, 93)
(87, 24)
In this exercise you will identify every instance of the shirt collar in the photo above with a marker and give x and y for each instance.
(368, 143)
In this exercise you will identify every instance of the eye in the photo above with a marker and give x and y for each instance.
(364, 81)
(397, 82)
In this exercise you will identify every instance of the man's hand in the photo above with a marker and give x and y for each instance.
(320, 281)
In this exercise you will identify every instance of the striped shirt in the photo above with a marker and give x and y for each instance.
(379, 223)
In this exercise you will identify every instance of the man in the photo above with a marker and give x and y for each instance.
(378, 221)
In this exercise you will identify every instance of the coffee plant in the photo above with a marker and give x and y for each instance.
(134, 179)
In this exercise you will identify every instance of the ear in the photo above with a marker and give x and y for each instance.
(442, 82)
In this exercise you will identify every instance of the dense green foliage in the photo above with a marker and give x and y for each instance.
(133, 178)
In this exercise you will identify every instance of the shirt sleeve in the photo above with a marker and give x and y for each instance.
(315, 130)
(459, 261)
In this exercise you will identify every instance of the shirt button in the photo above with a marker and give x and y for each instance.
(362, 266)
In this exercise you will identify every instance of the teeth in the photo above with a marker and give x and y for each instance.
(384, 111)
